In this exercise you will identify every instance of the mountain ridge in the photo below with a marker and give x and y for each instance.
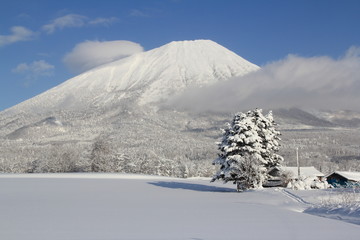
(145, 77)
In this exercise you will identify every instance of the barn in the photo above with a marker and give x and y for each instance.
(279, 175)
(343, 178)
(305, 172)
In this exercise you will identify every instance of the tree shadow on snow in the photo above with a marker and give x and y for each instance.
(192, 186)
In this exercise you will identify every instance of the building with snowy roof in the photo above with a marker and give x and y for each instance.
(305, 172)
(280, 176)
(343, 178)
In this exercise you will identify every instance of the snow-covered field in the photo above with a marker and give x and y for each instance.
(120, 206)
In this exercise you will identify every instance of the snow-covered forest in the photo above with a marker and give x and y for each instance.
(166, 143)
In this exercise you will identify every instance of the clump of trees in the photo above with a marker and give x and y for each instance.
(248, 150)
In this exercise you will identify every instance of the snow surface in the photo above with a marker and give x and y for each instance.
(116, 206)
(148, 77)
(338, 203)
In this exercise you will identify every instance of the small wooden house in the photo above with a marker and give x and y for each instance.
(280, 175)
(343, 178)
(305, 172)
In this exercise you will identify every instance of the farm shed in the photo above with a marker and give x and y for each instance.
(343, 178)
(279, 175)
(305, 172)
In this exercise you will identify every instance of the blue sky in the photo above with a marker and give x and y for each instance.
(36, 36)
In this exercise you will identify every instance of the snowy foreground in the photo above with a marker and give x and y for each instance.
(113, 206)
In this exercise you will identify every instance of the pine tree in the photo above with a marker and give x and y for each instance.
(248, 150)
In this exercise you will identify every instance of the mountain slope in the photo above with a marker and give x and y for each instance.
(145, 77)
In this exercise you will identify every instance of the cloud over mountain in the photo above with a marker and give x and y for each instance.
(90, 54)
(316, 82)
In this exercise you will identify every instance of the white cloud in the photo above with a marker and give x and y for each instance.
(90, 54)
(35, 69)
(317, 82)
(145, 13)
(353, 52)
(103, 21)
(70, 20)
(76, 20)
(137, 13)
(18, 33)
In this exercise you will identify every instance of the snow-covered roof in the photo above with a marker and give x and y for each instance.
(304, 171)
(353, 176)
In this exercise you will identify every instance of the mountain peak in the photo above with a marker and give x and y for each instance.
(184, 64)
(187, 43)
(146, 77)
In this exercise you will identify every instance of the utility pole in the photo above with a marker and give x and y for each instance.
(297, 162)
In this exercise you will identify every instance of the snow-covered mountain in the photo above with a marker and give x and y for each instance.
(104, 119)
(146, 77)
(107, 113)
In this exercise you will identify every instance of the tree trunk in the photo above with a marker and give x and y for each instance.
(238, 186)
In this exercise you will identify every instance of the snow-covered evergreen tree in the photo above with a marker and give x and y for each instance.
(248, 149)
